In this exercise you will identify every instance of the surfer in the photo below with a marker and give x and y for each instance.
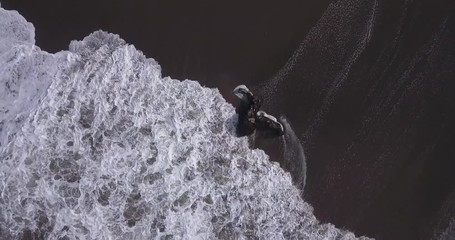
(266, 122)
(251, 118)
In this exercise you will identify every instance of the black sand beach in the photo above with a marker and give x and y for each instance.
(368, 87)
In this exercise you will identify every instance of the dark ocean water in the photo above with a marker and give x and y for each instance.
(368, 87)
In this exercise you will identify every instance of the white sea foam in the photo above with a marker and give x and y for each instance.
(95, 144)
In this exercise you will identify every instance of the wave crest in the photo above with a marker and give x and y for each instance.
(107, 148)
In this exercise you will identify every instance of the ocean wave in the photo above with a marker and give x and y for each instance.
(96, 144)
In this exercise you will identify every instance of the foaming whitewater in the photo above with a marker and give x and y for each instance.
(95, 144)
(448, 233)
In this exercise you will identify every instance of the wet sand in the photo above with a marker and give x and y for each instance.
(366, 85)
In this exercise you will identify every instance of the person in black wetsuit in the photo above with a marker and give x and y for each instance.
(246, 110)
(251, 118)
(268, 123)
